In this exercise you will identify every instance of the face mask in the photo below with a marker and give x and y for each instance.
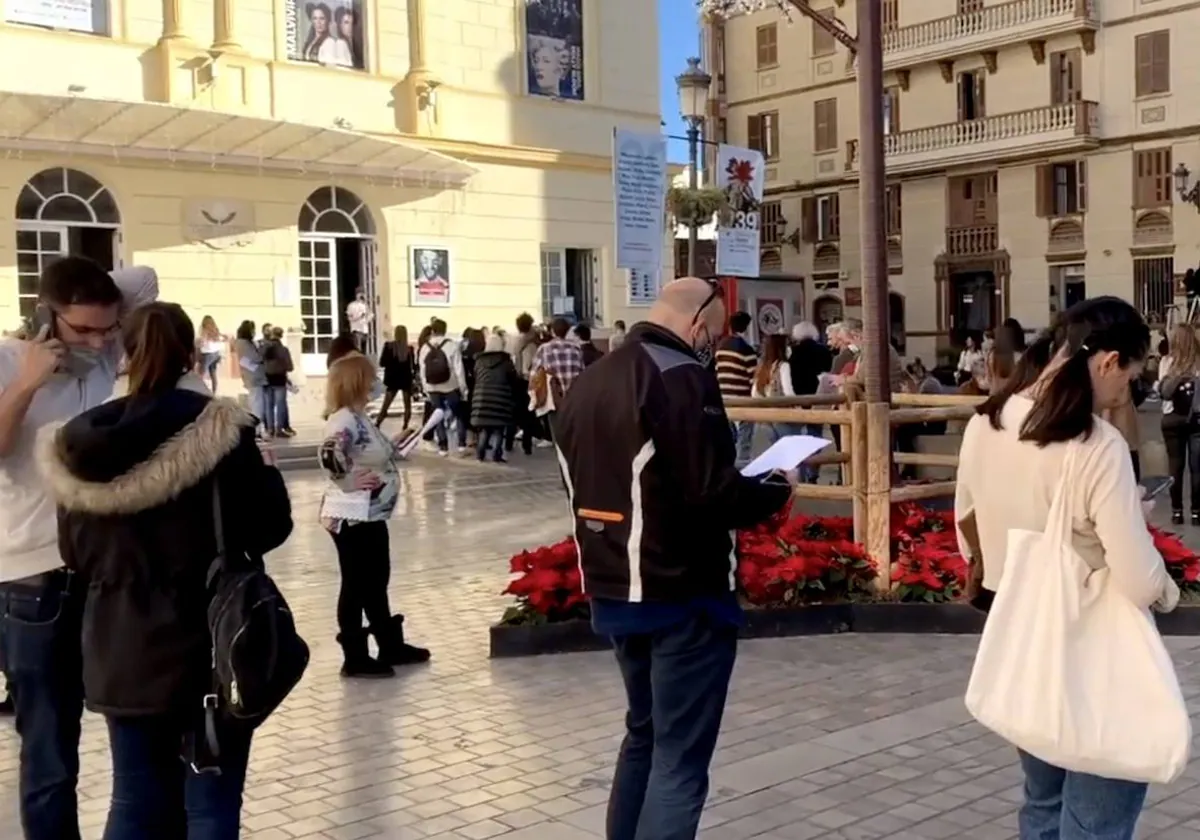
(80, 361)
(705, 351)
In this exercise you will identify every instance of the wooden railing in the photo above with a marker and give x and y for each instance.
(865, 455)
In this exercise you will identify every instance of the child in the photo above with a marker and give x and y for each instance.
(494, 400)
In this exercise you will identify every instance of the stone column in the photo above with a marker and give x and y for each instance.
(416, 37)
(224, 38)
(173, 23)
(413, 118)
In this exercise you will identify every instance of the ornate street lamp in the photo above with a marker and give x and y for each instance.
(1189, 196)
(693, 84)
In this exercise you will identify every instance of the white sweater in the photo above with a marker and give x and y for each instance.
(1008, 483)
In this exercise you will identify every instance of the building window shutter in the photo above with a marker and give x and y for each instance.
(808, 219)
(1142, 65)
(835, 217)
(978, 78)
(1044, 193)
(1160, 66)
(895, 219)
(754, 139)
(831, 134)
(1081, 185)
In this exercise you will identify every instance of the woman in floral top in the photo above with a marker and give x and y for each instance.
(358, 457)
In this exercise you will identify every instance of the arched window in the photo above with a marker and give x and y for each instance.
(338, 212)
(67, 196)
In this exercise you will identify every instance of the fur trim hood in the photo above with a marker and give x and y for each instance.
(131, 455)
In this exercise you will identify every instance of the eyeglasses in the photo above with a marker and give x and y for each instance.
(715, 291)
(103, 332)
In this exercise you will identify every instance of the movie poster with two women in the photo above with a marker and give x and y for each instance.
(328, 32)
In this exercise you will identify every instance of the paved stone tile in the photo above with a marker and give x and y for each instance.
(838, 738)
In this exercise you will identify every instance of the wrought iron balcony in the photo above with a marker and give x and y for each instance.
(1050, 129)
(986, 29)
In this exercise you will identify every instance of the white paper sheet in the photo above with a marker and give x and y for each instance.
(787, 453)
(413, 438)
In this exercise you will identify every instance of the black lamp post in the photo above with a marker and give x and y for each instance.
(693, 85)
(1190, 196)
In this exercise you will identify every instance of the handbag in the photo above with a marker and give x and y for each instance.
(1069, 670)
(353, 506)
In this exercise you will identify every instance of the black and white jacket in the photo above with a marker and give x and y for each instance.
(648, 459)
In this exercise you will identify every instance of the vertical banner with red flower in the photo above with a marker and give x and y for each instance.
(740, 177)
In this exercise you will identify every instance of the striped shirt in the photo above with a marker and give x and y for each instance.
(736, 362)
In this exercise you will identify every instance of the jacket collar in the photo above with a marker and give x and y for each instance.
(645, 332)
(180, 462)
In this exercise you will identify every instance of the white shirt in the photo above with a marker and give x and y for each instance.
(780, 384)
(458, 374)
(359, 316)
(1008, 483)
(28, 516)
(968, 359)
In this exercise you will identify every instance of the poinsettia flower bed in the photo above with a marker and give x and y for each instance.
(806, 560)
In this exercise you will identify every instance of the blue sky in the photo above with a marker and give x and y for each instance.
(679, 33)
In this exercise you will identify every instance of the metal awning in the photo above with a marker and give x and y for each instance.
(152, 131)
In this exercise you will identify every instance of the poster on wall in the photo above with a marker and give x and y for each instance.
(644, 286)
(554, 48)
(429, 268)
(89, 16)
(769, 317)
(740, 177)
(639, 189)
(328, 32)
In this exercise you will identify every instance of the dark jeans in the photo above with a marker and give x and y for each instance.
(366, 566)
(1062, 805)
(40, 627)
(1182, 442)
(676, 680)
(527, 422)
(388, 397)
(448, 402)
(491, 440)
(275, 407)
(360, 341)
(156, 796)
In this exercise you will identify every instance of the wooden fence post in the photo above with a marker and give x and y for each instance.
(878, 491)
(856, 432)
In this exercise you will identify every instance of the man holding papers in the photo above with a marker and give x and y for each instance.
(648, 462)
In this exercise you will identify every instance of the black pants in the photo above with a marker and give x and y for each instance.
(1183, 450)
(527, 422)
(388, 397)
(366, 565)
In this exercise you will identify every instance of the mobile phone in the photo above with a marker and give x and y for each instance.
(1156, 485)
(43, 317)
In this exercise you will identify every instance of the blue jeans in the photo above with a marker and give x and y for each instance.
(1062, 805)
(491, 439)
(209, 363)
(40, 627)
(448, 403)
(676, 681)
(156, 796)
(743, 438)
(275, 406)
(257, 397)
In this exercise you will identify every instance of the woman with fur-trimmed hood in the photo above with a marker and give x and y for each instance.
(134, 482)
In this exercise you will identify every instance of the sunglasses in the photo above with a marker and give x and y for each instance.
(715, 291)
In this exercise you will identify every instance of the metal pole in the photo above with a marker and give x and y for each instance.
(872, 202)
(693, 137)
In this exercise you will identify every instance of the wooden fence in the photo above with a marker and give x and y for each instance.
(865, 454)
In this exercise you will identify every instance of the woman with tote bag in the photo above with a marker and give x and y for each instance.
(1071, 669)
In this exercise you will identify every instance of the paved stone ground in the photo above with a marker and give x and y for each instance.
(840, 738)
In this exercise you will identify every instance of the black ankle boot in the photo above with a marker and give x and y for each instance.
(393, 650)
(358, 662)
(1176, 517)
(1196, 517)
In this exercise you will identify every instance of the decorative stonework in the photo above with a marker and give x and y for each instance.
(947, 68)
(1038, 48)
(903, 79)
(218, 223)
(990, 61)
(1087, 38)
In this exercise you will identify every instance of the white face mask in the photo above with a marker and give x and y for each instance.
(80, 361)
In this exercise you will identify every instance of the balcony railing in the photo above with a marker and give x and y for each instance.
(971, 241)
(988, 27)
(1051, 127)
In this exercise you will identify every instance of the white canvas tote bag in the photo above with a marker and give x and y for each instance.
(1071, 671)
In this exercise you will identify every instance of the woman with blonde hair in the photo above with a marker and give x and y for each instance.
(211, 346)
(362, 464)
(1180, 421)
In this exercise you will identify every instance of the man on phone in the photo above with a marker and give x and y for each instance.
(67, 367)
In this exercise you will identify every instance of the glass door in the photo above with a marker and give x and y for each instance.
(369, 251)
(37, 246)
(553, 280)
(318, 302)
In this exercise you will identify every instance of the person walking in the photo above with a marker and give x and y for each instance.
(277, 366)
(498, 389)
(1177, 383)
(617, 337)
(556, 365)
(1021, 438)
(399, 372)
(655, 497)
(250, 364)
(211, 345)
(134, 481)
(361, 462)
(523, 347)
(359, 318)
(67, 367)
(445, 380)
(736, 361)
(590, 352)
(773, 378)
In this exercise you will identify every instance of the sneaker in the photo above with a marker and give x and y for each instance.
(465, 451)
(1176, 517)
(288, 432)
(544, 444)
(443, 453)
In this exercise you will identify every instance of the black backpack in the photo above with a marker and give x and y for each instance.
(437, 364)
(257, 655)
(275, 361)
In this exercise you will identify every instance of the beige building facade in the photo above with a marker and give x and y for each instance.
(1030, 148)
(270, 157)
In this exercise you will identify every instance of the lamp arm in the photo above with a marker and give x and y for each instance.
(831, 25)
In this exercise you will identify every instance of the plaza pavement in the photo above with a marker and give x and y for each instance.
(838, 738)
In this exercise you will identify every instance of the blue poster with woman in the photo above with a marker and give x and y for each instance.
(554, 48)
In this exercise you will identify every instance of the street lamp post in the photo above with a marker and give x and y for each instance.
(693, 84)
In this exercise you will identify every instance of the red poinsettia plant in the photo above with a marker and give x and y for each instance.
(929, 567)
(548, 585)
(1183, 564)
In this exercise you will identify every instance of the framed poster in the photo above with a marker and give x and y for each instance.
(89, 16)
(769, 317)
(328, 32)
(429, 274)
(554, 48)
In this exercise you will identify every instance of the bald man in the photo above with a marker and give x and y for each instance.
(648, 461)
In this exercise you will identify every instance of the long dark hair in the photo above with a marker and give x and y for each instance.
(1010, 337)
(400, 342)
(774, 353)
(245, 331)
(160, 344)
(1065, 407)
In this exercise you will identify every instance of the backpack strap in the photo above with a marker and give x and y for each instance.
(218, 563)
(212, 700)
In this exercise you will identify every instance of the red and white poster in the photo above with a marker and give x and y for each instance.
(769, 317)
(429, 268)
